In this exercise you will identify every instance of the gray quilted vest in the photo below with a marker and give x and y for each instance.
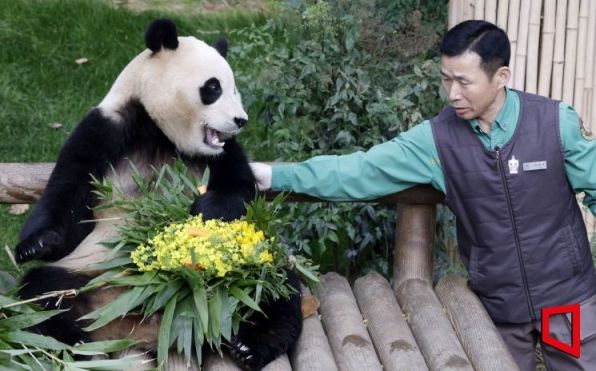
(520, 231)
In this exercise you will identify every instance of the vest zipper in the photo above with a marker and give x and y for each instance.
(515, 235)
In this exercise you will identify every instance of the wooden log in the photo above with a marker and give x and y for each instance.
(413, 288)
(24, 183)
(519, 80)
(570, 51)
(415, 234)
(431, 327)
(349, 340)
(512, 32)
(490, 11)
(547, 44)
(531, 85)
(580, 68)
(312, 351)
(559, 51)
(477, 333)
(393, 339)
(503, 14)
(213, 362)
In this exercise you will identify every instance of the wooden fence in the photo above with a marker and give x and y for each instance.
(553, 49)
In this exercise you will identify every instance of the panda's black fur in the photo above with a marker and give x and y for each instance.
(99, 143)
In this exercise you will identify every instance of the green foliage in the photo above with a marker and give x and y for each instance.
(23, 350)
(326, 89)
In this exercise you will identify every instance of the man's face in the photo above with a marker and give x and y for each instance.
(470, 91)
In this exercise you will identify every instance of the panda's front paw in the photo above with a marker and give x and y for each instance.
(38, 245)
(219, 205)
(247, 355)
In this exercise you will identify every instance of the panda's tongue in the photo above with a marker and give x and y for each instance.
(212, 138)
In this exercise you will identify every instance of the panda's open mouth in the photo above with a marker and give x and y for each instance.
(213, 138)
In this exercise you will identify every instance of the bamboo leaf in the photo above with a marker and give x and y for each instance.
(244, 298)
(200, 298)
(107, 346)
(163, 342)
(33, 340)
(22, 321)
(215, 303)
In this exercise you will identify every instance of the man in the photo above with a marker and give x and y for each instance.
(509, 164)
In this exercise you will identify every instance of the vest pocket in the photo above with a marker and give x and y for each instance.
(587, 310)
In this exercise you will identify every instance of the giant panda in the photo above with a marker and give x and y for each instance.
(177, 98)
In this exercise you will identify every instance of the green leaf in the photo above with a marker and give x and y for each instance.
(163, 342)
(22, 321)
(164, 294)
(107, 346)
(244, 298)
(33, 340)
(200, 298)
(215, 302)
(119, 307)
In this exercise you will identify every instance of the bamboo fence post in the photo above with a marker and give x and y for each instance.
(580, 68)
(533, 47)
(478, 9)
(502, 14)
(455, 12)
(589, 62)
(490, 11)
(591, 121)
(468, 11)
(413, 288)
(512, 31)
(570, 51)
(559, 52)
(352, 347)
(522, 46)
(393, 339)
(312, 351)
(547, 47)
(474, 327)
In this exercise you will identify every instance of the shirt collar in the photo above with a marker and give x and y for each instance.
(502, 121)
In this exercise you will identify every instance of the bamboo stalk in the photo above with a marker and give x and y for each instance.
(522, 46)
(512, 31)
(502, 14)
(479, 9)
(580, 68)
(570, 51)
(559, 53)
(490, 11)
(468, 10)
(547, 47)
(588, 108)
(533, 44)
(455, 12)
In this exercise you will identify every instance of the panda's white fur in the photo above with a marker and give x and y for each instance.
(177, 98)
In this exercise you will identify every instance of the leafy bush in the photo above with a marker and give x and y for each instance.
(326, 88)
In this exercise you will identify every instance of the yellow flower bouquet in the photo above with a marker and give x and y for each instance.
(205, 277)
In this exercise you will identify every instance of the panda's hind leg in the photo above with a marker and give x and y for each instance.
(262, 339)
(64, 326)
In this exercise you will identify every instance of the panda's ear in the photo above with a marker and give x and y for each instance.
(161, 33)
(221, 45)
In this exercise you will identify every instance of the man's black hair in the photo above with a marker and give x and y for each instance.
(481, 37)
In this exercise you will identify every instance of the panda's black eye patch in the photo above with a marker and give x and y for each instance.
(210, 91)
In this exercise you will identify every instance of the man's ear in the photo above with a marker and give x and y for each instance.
(503, 75)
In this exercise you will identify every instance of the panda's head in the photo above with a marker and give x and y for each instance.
(187, 87)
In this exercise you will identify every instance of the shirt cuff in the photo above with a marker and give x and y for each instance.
(280, 177)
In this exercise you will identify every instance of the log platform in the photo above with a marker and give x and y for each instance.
(407, 324)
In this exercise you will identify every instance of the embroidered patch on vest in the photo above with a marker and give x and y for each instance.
(586, 133)
(513, 165)
(536, 165)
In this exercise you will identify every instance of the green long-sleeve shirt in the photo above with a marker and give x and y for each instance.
(412, 158)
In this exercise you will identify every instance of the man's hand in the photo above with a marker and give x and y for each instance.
(262, 173)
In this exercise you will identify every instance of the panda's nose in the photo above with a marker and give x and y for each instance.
(239, 121)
